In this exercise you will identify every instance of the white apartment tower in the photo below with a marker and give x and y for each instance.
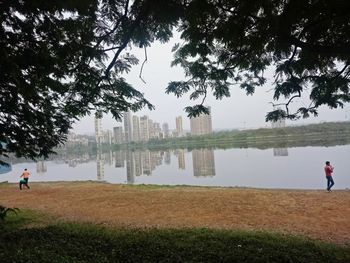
(144, 128)
(127, 127)
(118, 134)
(179, 129)
(201, 124)
(98, 127)
(151, 133)
(136, 128)
(165, 127)
(157, 130)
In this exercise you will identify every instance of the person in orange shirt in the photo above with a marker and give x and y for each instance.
(25, 179)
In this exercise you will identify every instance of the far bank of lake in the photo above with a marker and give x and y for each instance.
(291, 157)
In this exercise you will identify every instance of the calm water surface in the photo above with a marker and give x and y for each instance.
(298, 168)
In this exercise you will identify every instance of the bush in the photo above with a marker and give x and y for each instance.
(4, 210)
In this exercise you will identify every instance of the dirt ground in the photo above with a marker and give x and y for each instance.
(315, 214)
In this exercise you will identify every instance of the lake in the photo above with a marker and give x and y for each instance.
(292, 168)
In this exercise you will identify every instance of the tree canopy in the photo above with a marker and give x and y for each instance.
(231, 43)
(62, 59)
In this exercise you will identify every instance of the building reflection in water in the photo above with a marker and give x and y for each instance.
(167, 159)
(203, 162)
(180, 153)
(138, 163)
(41, 167)
(142, 162)
(75, 159)
(280, 151)
(119, 157)
(146, 163)
(109, 158)
(100, 162)
(72, 163)
(130, 167)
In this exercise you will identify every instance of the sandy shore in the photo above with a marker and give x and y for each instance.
(315, 214)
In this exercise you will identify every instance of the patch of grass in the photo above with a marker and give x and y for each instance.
(22, 219)
(72, 242)
(5, 211)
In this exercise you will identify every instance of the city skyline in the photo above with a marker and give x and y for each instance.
(141, 129)
(237, 111)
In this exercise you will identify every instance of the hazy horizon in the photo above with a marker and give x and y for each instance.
(237, 111)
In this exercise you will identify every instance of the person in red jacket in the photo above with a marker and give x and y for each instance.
(328, 169)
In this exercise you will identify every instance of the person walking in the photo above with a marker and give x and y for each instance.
(328, 169)
(25, 179)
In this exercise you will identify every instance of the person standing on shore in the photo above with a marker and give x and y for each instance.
(328, 169)
(25, 179)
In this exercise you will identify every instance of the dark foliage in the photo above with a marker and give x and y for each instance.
(62, 59)
(232, 42)
(73, 243)
(4, 211)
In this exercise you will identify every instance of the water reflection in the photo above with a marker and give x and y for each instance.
(130, 167)
(41, 167)
(203, 162)
(142, 162)
(100, 163)
(249, 167)
(280, 151)
(119, 157)
(181, 159)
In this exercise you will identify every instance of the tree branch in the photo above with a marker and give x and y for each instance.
(143, 13)
(143, 63)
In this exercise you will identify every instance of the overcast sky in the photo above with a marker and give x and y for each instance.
(237, 111)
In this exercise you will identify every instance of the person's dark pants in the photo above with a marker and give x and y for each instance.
(25, 182)
(330, 182)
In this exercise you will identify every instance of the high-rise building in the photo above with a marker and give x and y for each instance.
(136, 128)
(98, 127)
(118, 134)
(127, 127)
(157, 130)
(179, 128)
(144, 128)
(201, 124)
(165, 127)
(107, 137)
(151, 133)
